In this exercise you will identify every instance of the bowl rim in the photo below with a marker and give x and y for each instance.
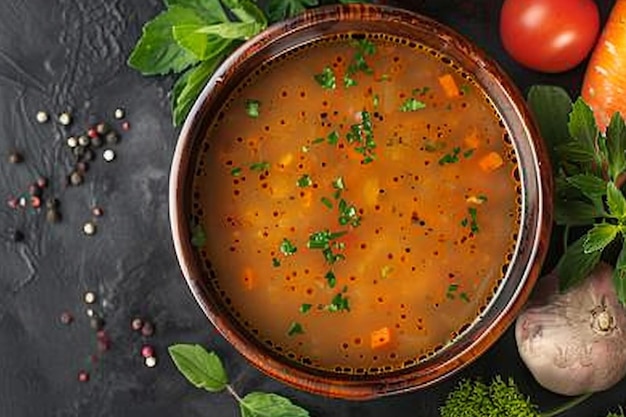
(292, 374)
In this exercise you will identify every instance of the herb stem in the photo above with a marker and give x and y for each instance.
(232, 392)
(566, 237)
(568, 405)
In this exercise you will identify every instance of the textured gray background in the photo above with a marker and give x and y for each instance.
(61, 55)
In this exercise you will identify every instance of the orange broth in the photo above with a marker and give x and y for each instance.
(423, 203)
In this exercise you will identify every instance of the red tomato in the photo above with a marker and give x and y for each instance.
(549, 35)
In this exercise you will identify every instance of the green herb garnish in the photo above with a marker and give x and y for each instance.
(326, 78)
(412, 104)
(235, 172)
(253, 108)
(376, 101)
(364, 47)
(275, 262)
(259, 166)
(450, 158)
(326, 201)
(333, 137)
(339, 303)
(420, 91)
(322, 239)
(348, 214)
(331, 279)
(450, 293)
(294, 329)
(205, 370)
(198, 236)
(463, 296)
(304, 308)
(287, 248)
(465, 89)
(304, 181)
(362, 135)
(338, 184)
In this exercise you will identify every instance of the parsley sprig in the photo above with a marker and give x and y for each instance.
(590, 169)
(192, 38)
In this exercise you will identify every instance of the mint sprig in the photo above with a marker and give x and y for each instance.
(193, 37)
(205, 370)
(590, 169)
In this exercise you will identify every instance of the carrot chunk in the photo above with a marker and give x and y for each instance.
(491, 162)
(449, 85)
(380, 337)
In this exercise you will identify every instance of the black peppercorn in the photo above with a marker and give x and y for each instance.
(15, 157)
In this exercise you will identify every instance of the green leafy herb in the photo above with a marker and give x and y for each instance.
(339, 303)
(261, 404)
(203, 369)
(412, 104)
(575, 264)
(282, 9)
(473, 219)
(326, 201)
(275, 262)
(338, 184)
(322, 239)
(304, 308)
(599, 237)
(450, 158)
(376, 101)
(198, 236)
(420, 91)
(362, 135)
(294, 329)
(468, 153)
(331, 279)
(260, 166)
(326, 78)
(287, 248)
(348, 214)
(235, 172)
(364, 47)
(465, 89)
(463, 296)
(252, 108)
(452, 288)
(304, 181)
(333, 138)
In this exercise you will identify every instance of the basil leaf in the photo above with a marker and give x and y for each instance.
(281, 9)
(575, 264)
(203, 369)
(247, 11)
(619, 276)
(616, 143)
(590, 185)
(211, 11)
(189, 86)
(582, 126)
(551, 106)
(204, 46)
(260, 404)
(575, 213)
(599, 237)
(157, 52)
(615, 200)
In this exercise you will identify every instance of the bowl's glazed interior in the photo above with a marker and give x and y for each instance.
(534, 173)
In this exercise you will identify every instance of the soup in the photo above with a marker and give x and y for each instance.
(361, 201)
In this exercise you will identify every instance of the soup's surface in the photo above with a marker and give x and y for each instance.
(360, 203)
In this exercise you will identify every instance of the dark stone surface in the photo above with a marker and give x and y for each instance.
(58, 55)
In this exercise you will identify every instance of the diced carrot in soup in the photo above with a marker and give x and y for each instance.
(374, 215)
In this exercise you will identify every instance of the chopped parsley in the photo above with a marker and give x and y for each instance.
(322, 241)
(412, 104)
(358, 64)
(348, 81)
(450, 158)
(326, 78)
(468, 153)
(260, 166)
(463, 296)
(304, 308)
(331, 279)
(348, 214)
(304, 181)
(253, 108)
(318, 140)
(333, 137)
(420, 91)
(287, 247)
(235, 172)
(198, 236)
(339, 303)
(450, 293)
(326, 201)
(473, 222)
(295, 328)
(275, 262)
(376, 101)
(338, 184)
(362, 134)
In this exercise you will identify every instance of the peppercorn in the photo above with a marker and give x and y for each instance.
(119, 113)
(147, 351)
(104, 341)
(97, 211)
(102, 128)
(15, 157)
(35, 201)
(84, 140)
(150, 361)
(89, 228)
(136, 324)
(12, 202)
(108, 155)
(34, 190)
(42, 182)
(90, 312)
(76, 178)
(65, 119)
(147, 329)
(52, 203)
(66, 318)
(126, 126)
(92, 133)
(42, 117)
(112, 138)
(72, 142)
(83, 376)
(89, 297)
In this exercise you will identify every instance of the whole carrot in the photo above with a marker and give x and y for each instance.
(604, 86)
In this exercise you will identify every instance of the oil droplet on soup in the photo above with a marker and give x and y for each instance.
(359, 202)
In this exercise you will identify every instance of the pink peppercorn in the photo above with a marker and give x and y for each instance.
(13, 202)
(147, 351)
(92, 133)
(126, 126)
(83, 376)
(35, 202)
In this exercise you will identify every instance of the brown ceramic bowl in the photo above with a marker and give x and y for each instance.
(536, 210)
